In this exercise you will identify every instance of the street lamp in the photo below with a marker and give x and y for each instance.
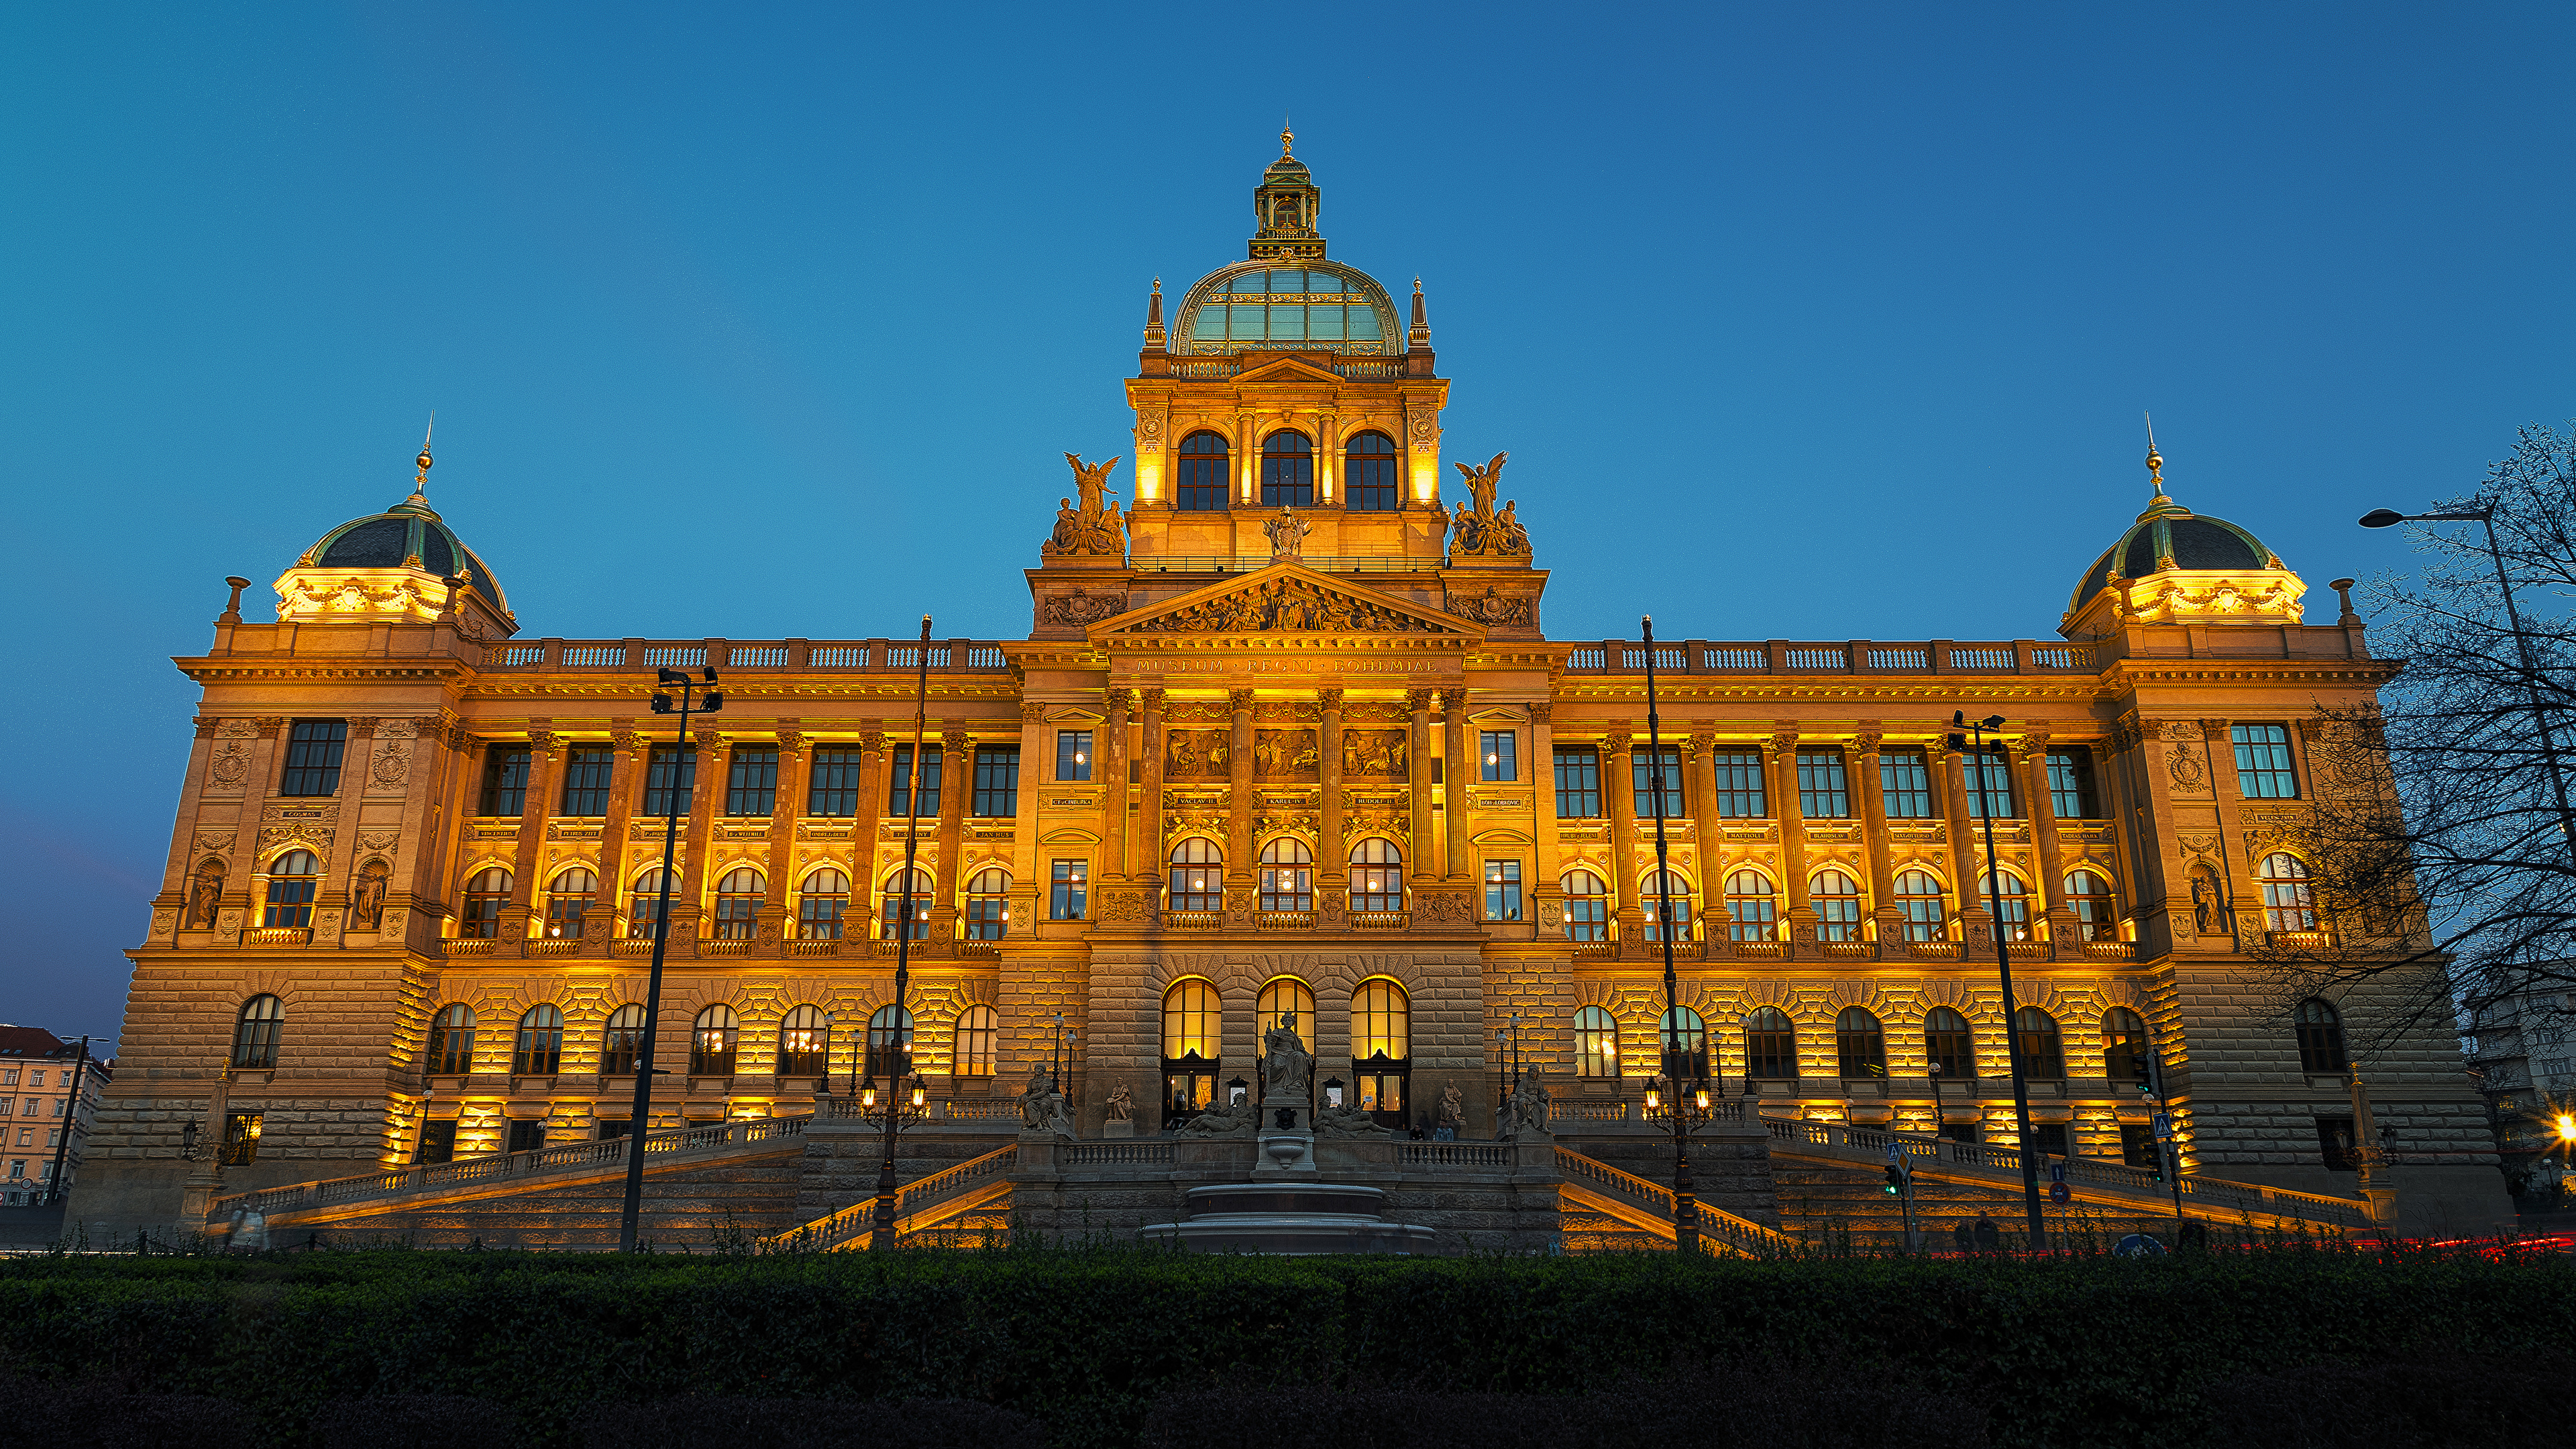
(1977, 730)
(674, 693)
(882, 1233)
(1685, 1202)
(2485, 518)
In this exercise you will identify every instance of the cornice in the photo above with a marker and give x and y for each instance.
(226, 672)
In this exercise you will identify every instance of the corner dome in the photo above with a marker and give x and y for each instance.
(2173, 564)
(395, 562)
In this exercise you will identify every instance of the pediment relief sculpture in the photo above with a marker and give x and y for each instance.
(1286, 605)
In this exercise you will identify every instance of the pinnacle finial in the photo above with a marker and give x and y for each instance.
(2155, 461)
(420, 480)
(1287, 137)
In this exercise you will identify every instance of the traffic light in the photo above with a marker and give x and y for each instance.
(1895, 1180)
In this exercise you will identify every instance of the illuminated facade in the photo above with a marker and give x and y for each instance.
(1284, 735)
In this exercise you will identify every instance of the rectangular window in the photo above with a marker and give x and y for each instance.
(2262, 762)
(1502, 890)
(587, 769)
(1738, 774)
(1578, 782)
(1905, 782)
(1499, 754)
(751, 787)
(437, 1142)
(241, 1138)
(313, 749)
(1989, 785)
(527, 1134)
(1073, 754)
(505, 780)
(835, 787)
(670, 780)
(1824, 793)
(1068, 890)
(997, 782)
(899, 789)
(2052, 1137)
(2070, 785)
(1642, 766)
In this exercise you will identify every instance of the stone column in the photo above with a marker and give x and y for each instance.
(876, 784)
(706, 788)
(1976, 922)
(1147, 861)
(1239, 865)
(956, 786)
(1699, 785)
(1547, 892)
(545, 779)
(1417, 769)
(1873, 831)
(1028, 868)
(1461, 773)
(795, 764)
(1247, 480)
(1328, 461)
(625, 796)
(1788, 810)
(1619, 798)
(2031, 753)
(1332, 852)
(1109, 767)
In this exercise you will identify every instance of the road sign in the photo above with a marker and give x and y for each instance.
(2058, 1192)
(1895, 1151)
(2163, 1126)
(2057, 1172)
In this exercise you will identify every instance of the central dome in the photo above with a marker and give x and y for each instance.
(1311, 307)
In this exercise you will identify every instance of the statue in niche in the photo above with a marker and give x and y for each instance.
(205, 889)
(367, 897)
(2207, 912)
(1287, 1068)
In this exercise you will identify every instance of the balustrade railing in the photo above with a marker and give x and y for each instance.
(1860, 656)
(782, 654)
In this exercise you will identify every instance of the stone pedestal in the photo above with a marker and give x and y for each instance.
(1118, 1129)
(1285, 1151)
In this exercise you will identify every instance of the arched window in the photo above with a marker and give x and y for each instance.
(805, 1042)
(1587, 906)
(1192, 1031)
(2320, 1039)
(1596, 1043)
(889, 1042)
(1920, 898)
(1287, 469)
(1369, 474)
(712, 1039)
(738, 898)
(451, 1041)
(1770, 1045)
(1382, 1048)
(2089, 895)
(621, 1045)
(1198, 875)
(1377, 875)
(1287, 875)
(1667, 898)
(1287, 1001)
(820, 906)
(1860, 1044)
(2288, 903)
(1749, 901)
(255, 1036)
(485, 895)
(644, 908)
(979, 1032)
(901, 905)
(1837, 900)
(988, 904)
(1947, 1046)
(1682, 1038)
(540, 1051)
(2015, 924)
(568, 903)
(290, 890)
(2043, 1054)
(2124, 1046)
(1202, 484)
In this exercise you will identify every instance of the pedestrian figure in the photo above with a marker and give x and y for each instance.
(1966, 1239)
(1989, 1237)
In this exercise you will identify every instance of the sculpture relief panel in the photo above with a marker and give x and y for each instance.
(1197, 755)
(1373, 754)
(1285, 755)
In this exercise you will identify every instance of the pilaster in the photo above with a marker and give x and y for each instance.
(1619, 799)
(1457, 787)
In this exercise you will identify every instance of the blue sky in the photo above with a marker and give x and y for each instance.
(1798, 321)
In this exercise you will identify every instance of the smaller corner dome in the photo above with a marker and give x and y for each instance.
(408, 535)
(2170, 536)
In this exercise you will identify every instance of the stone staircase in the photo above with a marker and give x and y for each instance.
(1606, 1208)
(956, 1206)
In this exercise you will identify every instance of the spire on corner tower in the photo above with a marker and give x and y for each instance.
(1417, 342)
(1285, 206)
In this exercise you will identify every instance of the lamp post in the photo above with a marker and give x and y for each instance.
(882, 1235)
(1060, 1066)
(1976, 730)
(54, 1191)
(1507, 1055)
(673, 693)
(1685, 1203)
(2485, 518)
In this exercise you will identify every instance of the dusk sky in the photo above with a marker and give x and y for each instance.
(1798, 322)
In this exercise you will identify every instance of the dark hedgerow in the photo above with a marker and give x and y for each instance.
(414, 1421)
(2067, 1351)
(2440, 1401)
(696, 1423)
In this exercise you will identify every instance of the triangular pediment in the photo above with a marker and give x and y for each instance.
(1286, 598)
(1287, 369)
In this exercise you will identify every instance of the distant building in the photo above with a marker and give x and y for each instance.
(2522, 1052)
(38, 1073)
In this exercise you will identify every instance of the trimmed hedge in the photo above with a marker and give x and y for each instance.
(2061, 1351)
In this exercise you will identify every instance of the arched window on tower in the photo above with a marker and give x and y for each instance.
(1287, 469)
(1202, 483)
(1370, 468)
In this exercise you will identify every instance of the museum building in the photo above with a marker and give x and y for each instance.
(1286, 735)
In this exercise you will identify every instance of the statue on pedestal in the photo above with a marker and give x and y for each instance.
(1483, 533)
(1043, 1109)
(1122, 1104)
(1287, 1068)
(1287, 534)
(1526, 1109)
(1096, 527)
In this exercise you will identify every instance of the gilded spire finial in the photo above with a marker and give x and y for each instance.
(2155, 461)
(420, 480)
(1287, 137)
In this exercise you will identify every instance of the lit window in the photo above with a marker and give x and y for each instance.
(1920, 897)
(738, 899)
(1836, 897)
(988, 905)
(1287, 876)
(1198, 875)
(1068, 890)
(905, 905)
(1502, 890)
(1497, 756)
(1377, 875)
(804, 1042)
(978, 1038)
(889, 1043)
(2015, 898)
(2089, 896)
(1596, 1043)
(1749, 899)
(2288, 902)
(1666, 898)
(1073, 754)
(1192, 1032)
(712, 1040)
(1381, 1048)
(485, 895)
(1587, 906)
(290, 890)
(568, 903)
